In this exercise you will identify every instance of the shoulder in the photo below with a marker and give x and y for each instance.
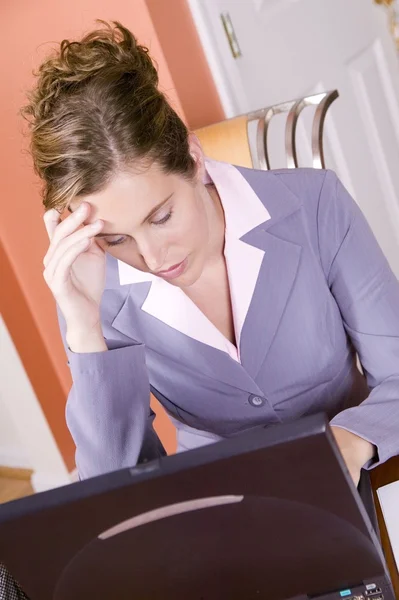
(303, 178)
(318, 192)
(303, 183)
(284, 191)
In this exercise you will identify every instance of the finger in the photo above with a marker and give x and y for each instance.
(62, 272)
(51, 219)
(70, 224)
(87, 231)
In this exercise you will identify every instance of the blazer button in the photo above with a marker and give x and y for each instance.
(256, 401)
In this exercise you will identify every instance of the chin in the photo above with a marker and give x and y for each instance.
(188, 278)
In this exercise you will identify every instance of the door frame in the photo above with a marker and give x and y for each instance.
(219, 60)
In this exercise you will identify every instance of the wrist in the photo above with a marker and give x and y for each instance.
(85, 340)
(360, 450)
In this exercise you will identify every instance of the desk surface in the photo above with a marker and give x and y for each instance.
(382, 475)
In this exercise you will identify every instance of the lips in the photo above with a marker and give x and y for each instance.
(174, 271)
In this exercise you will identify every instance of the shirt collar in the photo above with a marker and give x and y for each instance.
(242, 207)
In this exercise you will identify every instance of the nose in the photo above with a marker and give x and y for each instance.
(152, 253)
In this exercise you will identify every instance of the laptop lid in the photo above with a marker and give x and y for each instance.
(271, 513)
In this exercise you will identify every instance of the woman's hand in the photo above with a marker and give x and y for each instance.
(75, 273)
(355, 450)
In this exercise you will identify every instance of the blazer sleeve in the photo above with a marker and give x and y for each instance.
(367, 294)
(108, 410)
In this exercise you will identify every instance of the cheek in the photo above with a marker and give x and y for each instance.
(194, 230)
(126, 252)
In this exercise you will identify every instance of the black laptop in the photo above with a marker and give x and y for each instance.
(270, 514)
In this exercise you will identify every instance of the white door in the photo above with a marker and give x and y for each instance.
(292, 48)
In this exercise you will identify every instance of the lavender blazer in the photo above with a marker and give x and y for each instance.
(324, 294)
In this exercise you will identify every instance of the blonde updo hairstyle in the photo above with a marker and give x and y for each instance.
(96, 110)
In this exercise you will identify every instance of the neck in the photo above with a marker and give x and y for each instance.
(216, 224)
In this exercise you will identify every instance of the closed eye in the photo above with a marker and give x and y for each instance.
(163, 220)
(123, 239)
(114, 242)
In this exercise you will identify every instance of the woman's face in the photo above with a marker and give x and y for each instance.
(156, 222)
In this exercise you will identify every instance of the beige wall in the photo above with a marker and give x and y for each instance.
(26, 439)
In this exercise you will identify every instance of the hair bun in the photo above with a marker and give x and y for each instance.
(111, 48)
(110, 53)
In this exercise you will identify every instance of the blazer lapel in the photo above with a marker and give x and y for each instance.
(278, 270)
(275, 282)
(177, 347)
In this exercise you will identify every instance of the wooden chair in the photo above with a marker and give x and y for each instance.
(229, 141)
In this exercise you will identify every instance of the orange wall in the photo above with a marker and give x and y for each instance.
(186, 61)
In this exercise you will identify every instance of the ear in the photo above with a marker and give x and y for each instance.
(198, 156)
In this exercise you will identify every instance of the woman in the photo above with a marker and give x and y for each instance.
(238, 297)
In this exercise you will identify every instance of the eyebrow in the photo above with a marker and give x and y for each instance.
(150, 214)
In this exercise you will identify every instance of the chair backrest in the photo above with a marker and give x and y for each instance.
(229, 140)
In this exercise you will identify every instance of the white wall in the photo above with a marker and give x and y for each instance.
(12, 451)
(25, 436)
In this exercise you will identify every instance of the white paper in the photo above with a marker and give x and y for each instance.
(388, 496)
